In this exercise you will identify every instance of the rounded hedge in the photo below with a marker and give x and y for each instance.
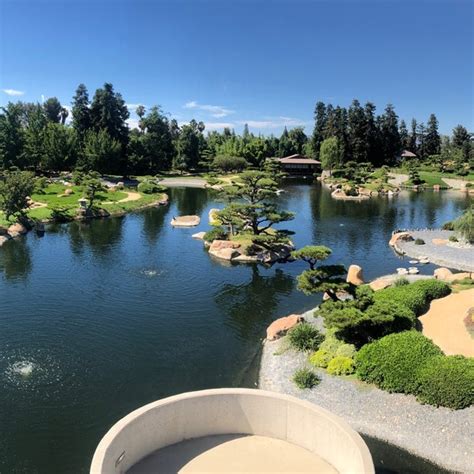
(447, 381)
(341, 365)
(148, 187)
(305, 337)
(392, 363)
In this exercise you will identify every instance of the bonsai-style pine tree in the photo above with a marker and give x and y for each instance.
(325, 278)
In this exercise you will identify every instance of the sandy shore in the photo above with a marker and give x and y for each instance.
(440, 435)
(444, 323)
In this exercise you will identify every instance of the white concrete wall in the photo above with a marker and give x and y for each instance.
(231, 411)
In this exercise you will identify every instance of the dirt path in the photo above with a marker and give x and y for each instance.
(184, 182)
(131, 196)
(444, 323)
(455, 183)
(397, 179)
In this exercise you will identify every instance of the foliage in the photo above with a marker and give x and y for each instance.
(229, 164)
(330, 348)
(414, 176)
(401, 281)
(453, 238)
(330, 153)
(40, 184)
(341, 365)
(305, 378)
(448, 226)
(15, 189)
(92, 185)
(419, 242)
(447, 381)
(101, 152)
(417, 296)
(311, 254)
(392, 363)
(150, 187)
(305, 337)
(465, 225)
(216, 233)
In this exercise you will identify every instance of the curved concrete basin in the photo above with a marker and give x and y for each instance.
(211, 419)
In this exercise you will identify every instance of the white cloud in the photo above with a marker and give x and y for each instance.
(210, 126)
(12, 92)
(132, 123)
(214, 110)
(274, 122)
(133, 107)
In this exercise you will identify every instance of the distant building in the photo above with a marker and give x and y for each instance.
(299, 165)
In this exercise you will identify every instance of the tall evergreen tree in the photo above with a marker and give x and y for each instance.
(52, 109)
(320, 118)
(404, 137)
(357, 133)
(12, 136)
(432, 140)
(371, 134)
(420, 140)
(390, 136)
(81, 118)
(413, 138)
(285, 147)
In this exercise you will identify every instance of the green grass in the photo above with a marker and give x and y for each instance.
(54, 197)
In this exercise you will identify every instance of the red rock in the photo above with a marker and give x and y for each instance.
(281, 326)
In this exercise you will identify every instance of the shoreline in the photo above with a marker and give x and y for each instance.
(438, 435)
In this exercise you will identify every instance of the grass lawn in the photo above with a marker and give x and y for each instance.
(53, 197)
(435, 177)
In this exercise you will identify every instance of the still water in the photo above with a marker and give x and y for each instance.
(99, 318)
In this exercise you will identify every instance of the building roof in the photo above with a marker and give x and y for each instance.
(407, 154)
(299, 160)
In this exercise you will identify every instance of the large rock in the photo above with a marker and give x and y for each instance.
(17, 229)
(224, 249)
(185, 221)
(68, 192)
(380, 284)
(3, 239)
(447, 275)
(400, 237)
(354, 275)
(281, 326)
(341, 295)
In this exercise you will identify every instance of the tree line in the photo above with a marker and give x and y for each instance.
(39, 137)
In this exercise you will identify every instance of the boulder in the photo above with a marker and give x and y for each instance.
(439, 241)
(436, 187)
(3, 239)
(68, 192)
(282, 325)
(17, 229)
(400, 237)
(199, 235)
(164, 200)
(354, 275)
(380, 284)
(224, 249)
(413, 271)
(341, 295)
(424, 260)
(445, 274)
(402, 271)
(185, 221)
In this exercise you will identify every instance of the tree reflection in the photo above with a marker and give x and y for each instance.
(153, 221)
(189, 201)
(249, 307)
(15, 259)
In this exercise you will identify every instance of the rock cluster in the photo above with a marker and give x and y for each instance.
(445, 274)
(185, 221)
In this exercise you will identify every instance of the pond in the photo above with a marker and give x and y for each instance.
(99, 318)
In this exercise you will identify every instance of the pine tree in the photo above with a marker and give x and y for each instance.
(81, 119)
(413, 138)
(371, 134)
(357, 133)
(404, 137)
(432, 140)
(319, 127)
(390, 137)
(52, 109)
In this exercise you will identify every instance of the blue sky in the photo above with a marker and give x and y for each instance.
(232, 62)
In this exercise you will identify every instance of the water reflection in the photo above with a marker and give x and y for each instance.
(153, 220)
(250, 306)
(189, 201)
(15, 259)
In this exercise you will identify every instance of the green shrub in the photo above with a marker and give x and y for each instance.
(447, 381)
(305, 378)
(305, 337)
(330, 348)
(453, 238)
(40, 185)
(464, 225)
(217, 233)
(321, 358)
(448, 226)
(416, 296)
(392, 363)
(341, 365)
(212, 181)
(229, 163)
(149, 187)
(402, 281)
(419, 242)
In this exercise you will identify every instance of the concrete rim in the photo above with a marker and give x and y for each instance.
(112, 433)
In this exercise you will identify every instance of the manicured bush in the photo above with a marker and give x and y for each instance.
(229, 163)
(401, 282)
(149, 187)
(341, 365)
(217, 233)
(447, 381)
(419, 242)
(330, 348)
(392, 363)
(305, 378)
(321, 358)
(416, 296)
(305, 337)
